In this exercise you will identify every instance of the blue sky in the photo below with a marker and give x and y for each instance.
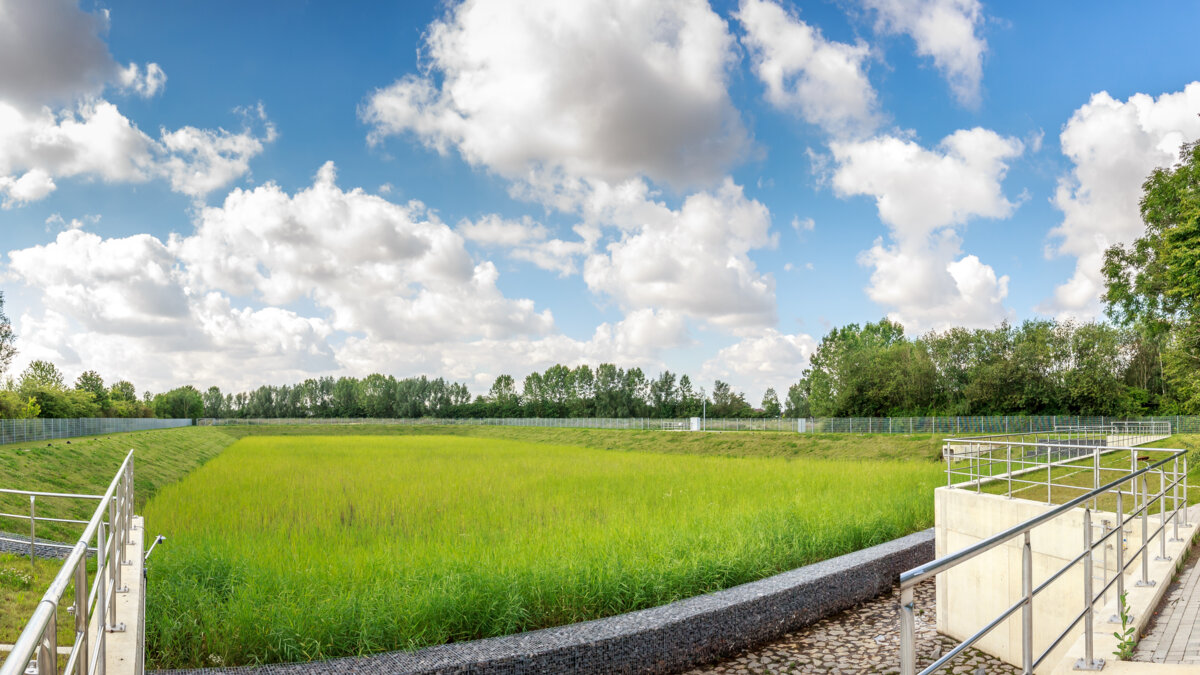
(247, 193)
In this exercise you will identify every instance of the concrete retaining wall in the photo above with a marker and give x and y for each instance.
(665, 639)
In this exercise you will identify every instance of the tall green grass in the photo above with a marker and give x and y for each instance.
(299, 548)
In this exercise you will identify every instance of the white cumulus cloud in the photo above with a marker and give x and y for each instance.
(922, 195)
(824, 81)
(146, 81)
(693, 260)
(1114, 145)
(394, 271)
(948, 31)
(592, 88)
(766, 359)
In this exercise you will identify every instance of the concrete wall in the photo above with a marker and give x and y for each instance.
(977, 591)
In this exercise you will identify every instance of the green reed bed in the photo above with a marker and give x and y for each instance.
(299, 548)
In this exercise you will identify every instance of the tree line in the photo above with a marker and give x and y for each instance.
(560, 391)
(1040, 367)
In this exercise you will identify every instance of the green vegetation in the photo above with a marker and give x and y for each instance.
(21, 588)
(1153, 285)
(726, 444)
(297, 548)
(87, 466)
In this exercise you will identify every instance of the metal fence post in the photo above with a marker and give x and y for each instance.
(908, 658)
(1120, 554)
(1185, 493)
(1088, 662)
(81, 617)
(1162, 516)
(1145, 580)
(1175, 502)
(1008, 467)
(1027, 609)
(32, 530)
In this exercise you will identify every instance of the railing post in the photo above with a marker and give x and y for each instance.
(1120, 553)
(32, 531)
(47, 652)
(1088, 662)
(1185, 493)
(1145, 580)
(908, 652)
(1027, 609)
(1175, 501)
(102, 581)
(1008, 460)
(1162, 516)
(81, 616)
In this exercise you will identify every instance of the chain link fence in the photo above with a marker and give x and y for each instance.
(28, 431)
(996, 424)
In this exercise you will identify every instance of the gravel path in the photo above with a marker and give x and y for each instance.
(863, 639)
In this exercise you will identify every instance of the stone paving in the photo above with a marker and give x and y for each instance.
(1174, 632)
(863, 639)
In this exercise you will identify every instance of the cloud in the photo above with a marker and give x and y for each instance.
(147, 82)
(94, 140)
(922, 195)
(945, 30)
(199, 161)
(930, 284)
(637, 340)
(52, 52)
(823, 81)
(54, 122)
(583, 89)
(918, 190)
(1114, 146)
(803, 224)
(29, 187)
(767, 359)
(693, 260)
(392, 271)
(529, 241)
(122, 305)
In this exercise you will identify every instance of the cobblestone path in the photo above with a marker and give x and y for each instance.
(863, 639)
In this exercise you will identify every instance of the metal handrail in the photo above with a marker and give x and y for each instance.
(912, 577)
(110, 524)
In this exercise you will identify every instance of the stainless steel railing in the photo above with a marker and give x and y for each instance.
(36, 650)
(1171, 481)
(1016, 459)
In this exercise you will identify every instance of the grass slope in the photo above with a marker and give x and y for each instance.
(728, 444)
(82, 466)
(87, 466)
(299, 548)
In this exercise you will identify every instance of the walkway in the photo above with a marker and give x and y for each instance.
(1174, 632)
(862, 639)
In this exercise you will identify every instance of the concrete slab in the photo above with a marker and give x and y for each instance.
(124, 648)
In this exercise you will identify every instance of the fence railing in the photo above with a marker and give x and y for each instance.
(626, 423)
(1019, 460)
(94, 607)
(1132, 485)
(28, 431)
(836, 425)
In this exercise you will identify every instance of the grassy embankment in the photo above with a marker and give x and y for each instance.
(81, 466)
(286, 549)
